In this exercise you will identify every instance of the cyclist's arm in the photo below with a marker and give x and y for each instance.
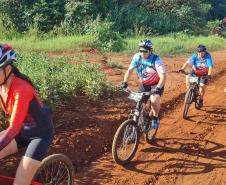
(127, 75)
(210, 70)
(161, 70)
(185, 66)
(210, 65)
(132, 66)
(189, 62)
(20, 109)
(162, 80)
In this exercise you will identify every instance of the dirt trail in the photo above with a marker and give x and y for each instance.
(186, 152)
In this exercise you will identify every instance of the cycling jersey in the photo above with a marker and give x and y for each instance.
(148, 69)
(28, 116)
(200, 66)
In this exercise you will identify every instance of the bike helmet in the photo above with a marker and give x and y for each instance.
(7, 55)
(146, 43)
(201, 48)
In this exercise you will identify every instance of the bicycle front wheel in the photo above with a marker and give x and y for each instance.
(188, 101)
(125, 142)
(56, 169)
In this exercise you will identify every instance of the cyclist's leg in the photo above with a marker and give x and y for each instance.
(202, 87)
(155, 104)
(30, 163)
(144, 88)
(26, 170)
(202, 90)
(11, 148)
(187, 81)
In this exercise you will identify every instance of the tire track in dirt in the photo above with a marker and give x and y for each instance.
(186, 152)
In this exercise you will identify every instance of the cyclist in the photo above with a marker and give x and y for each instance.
(30, 122)
(202, 65)
(151, 73)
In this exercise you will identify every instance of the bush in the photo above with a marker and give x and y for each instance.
(104, 35)
(57, 79)
(114, 64)
(212, 24)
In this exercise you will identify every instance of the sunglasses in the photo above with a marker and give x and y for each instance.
(143, 51)
(202, 52)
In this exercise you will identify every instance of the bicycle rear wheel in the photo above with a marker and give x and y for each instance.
(56, 169)
(188, 101)
(125, 142)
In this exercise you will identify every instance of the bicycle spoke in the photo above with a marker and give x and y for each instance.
(126, 143)
(61, 178)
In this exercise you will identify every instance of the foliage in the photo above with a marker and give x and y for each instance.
(218, 9)
(114, 64)
(114, 18)
(104, 35)
(15, 14)
(57, 79)
(47, 14)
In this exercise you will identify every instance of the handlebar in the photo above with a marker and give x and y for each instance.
(192, 74)
(128, 90)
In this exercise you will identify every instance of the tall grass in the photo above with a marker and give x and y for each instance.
(50, 44)
(175, 44)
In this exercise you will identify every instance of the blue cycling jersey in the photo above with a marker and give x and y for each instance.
(201, 65)
(147, 69)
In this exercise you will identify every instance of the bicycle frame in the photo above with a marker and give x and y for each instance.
(140, 101)
(11, 179)
(195, 88)
(192, 94)
(195, 84)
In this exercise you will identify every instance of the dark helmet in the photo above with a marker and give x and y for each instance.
(146, 43)
(201, 48)
(7, 55)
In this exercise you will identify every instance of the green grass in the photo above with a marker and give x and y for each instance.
(60, 43)
(176, 44)
(170, 45)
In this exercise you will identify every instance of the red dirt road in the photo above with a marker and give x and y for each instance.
(186, 152)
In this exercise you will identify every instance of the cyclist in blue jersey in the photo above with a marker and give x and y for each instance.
(202, 65)
(151, 73)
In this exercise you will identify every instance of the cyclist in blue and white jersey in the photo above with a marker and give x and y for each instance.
(152, 76)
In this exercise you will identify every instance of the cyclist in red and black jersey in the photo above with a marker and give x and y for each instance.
(30, 122)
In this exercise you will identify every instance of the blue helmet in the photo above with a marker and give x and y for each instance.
(146, 43)
(201, 48)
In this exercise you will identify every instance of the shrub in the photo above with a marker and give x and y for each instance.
(104, 35)
(57, 79)
(114, 64)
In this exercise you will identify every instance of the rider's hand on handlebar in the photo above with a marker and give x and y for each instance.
(124, 85)
(209, 77)
(181, 71)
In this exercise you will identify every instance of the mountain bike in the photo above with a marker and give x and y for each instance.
(126, 138)
(192, 94)
(56, 169)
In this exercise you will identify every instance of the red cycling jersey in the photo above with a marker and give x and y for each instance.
(19, 98)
